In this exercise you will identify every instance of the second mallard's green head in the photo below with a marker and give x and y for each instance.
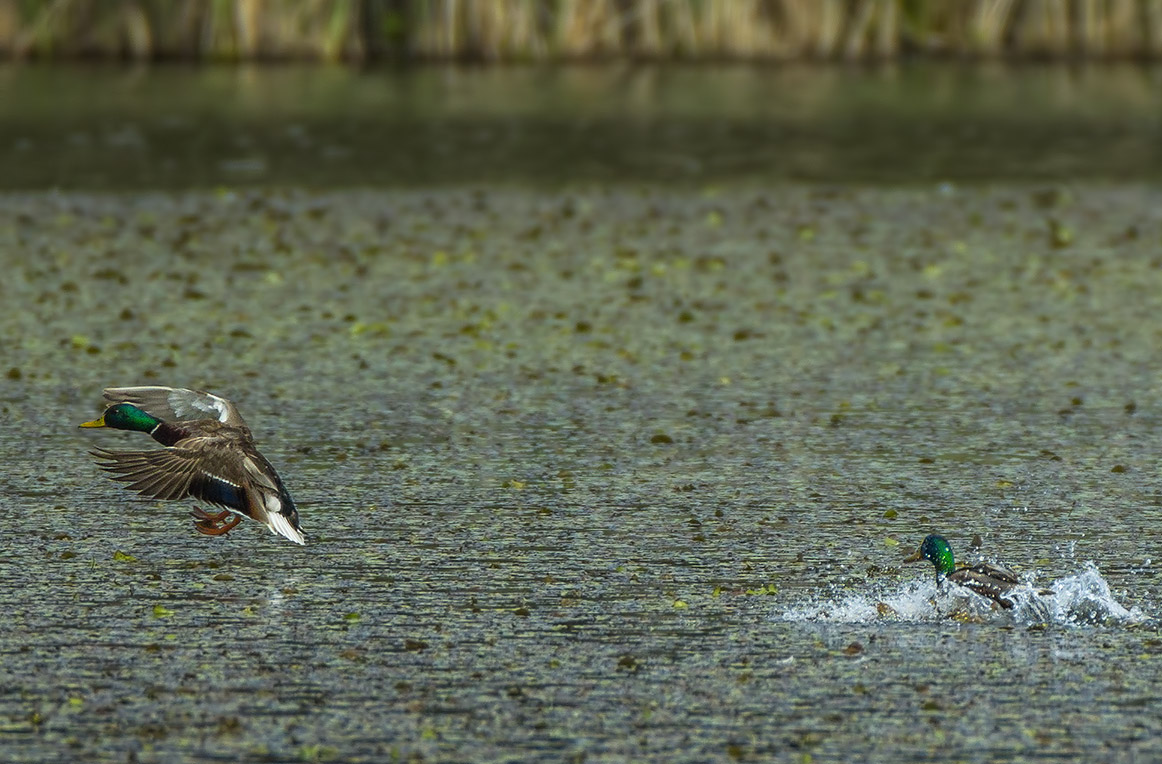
(125, 416)
(936, 549)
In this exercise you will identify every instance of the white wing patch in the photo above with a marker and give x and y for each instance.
(279, 523)
(177, 402)
(185, 404)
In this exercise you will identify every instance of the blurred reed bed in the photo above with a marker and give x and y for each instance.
(554, 30)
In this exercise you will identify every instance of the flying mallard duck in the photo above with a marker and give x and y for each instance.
(989, 581)
(209, 454)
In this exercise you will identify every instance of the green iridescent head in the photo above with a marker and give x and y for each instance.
(125, 416)
(936, 549)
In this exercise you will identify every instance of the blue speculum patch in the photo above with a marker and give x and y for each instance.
(219, 491)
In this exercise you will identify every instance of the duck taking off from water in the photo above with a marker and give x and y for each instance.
(209, 454)
(989, 581)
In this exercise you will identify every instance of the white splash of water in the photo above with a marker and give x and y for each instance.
(1083, 599)
(910, 600)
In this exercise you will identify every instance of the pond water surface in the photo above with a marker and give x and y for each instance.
(591, 473)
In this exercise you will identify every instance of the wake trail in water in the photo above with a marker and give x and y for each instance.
(1083, 599)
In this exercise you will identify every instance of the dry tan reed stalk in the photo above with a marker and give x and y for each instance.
(748, 30)
(138, 33)
(647, 26)
(857, 29)
(684, 29)
(1123, 27)
(990, 21)
(887, 32)
(248, 19)
(1088, 30)
(829, 28)
(1041, 28)
(9, 24)
(1152, 22)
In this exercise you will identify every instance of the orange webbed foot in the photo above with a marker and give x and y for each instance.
(214, 525)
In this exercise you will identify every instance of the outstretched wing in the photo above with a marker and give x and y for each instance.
(174, 473)
(177, 403)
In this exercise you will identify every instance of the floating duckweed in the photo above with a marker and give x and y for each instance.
(376, 328)
(1060, 235)
(628, 662)
(318, 752)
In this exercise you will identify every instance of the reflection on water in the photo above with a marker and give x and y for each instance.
(181, 127)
